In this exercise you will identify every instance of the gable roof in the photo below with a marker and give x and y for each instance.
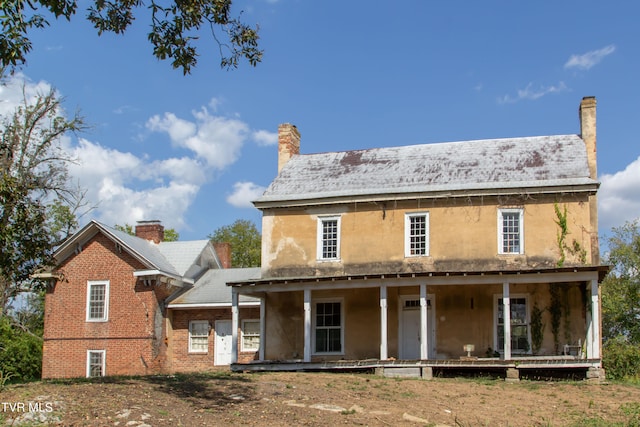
(211, 289)
(182, 261)
(493, 166)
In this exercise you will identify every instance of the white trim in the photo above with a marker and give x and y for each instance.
(520, 212)
(212, 305)
(313, 327)
(202, 322)
(496, 298)
(320, 241)
(105, 314)
(242, 335)
(407, 233)
(103, 354)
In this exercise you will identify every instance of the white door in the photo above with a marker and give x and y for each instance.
(410, 328)
(223, 342)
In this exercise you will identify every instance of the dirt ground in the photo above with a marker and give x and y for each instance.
(317, 399)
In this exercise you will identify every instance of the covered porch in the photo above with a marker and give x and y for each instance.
(416, 324)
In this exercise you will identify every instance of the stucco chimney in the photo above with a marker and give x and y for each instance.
(587, 114)
(223, 250)
(288, 143)
(150, 230)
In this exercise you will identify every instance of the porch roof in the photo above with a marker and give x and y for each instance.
(602, 271)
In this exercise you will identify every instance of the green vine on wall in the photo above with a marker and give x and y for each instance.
(576, 248)
(555, 310)
(537, 328)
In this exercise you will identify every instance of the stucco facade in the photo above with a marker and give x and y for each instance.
(479, 252)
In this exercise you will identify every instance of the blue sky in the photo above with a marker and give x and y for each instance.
(193, 150)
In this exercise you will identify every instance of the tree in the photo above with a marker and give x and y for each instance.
(170, 234)
(174, 27)
(34, 185)
(621, 288)
(245, 242)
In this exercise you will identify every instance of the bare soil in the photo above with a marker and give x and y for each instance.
(317, 399)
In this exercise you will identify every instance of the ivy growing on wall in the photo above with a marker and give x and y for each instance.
(575, 248)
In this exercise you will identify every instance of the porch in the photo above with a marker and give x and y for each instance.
(388, 323)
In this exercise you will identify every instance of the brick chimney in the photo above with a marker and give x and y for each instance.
(288, 143)
(588, 131)
(223, 250)
(150, 230)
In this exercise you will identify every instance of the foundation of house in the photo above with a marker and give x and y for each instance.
(510, 370)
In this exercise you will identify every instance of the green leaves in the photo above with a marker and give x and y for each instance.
(173, 35)
(245, 240)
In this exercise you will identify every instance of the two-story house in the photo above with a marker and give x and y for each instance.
(118, 304)
(475, 254)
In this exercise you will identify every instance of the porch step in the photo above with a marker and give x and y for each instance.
(400, 372)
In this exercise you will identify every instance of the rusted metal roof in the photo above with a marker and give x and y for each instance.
(494, 164)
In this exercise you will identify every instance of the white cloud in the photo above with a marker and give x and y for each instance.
(265, 138)
(18, 88)
(618, 197)
(532, 93)
(215, 139)
(244, 193)
(587, 60)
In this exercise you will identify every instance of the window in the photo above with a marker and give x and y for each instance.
(250, 335)
(95, 363)
(97, 301)
(416, 230)
(519, 324)
(328, 327)
(510, 235)
(198, 336)
(329, 238)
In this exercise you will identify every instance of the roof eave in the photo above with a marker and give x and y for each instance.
(590, 188)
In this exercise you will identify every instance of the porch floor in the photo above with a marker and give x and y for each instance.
(431, 367)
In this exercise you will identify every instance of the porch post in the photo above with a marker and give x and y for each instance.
(595, 322)
(234, 325)
(383, 323)
(307, 325)
(506, 317)
(263, 329)
(424, 339)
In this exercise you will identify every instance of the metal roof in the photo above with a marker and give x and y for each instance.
(183, 255)
(212, 288)
(493, 164)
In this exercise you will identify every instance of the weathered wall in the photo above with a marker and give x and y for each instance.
(463, 236)
(133, 334)
(463, 315)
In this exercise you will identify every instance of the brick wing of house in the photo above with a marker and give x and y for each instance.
(131, 305)
(475, 254)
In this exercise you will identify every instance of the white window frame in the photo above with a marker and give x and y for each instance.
(320, 238)
(191, 336)
(407, 233)
(103, 356)
(315, 326)
(244, 346)
(105, 313)
(501, 248)
(496, 300)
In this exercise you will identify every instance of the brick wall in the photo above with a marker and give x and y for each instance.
(133, 334)
(182, 360)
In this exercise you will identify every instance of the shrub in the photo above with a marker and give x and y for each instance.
(20, 353)
(621, 359)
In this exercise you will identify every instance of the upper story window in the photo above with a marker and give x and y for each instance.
(416, 234)
(97, 301)
(329, 238)
(510, 231)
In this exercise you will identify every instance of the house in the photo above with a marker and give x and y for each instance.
(118, 304)
(464, 255)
